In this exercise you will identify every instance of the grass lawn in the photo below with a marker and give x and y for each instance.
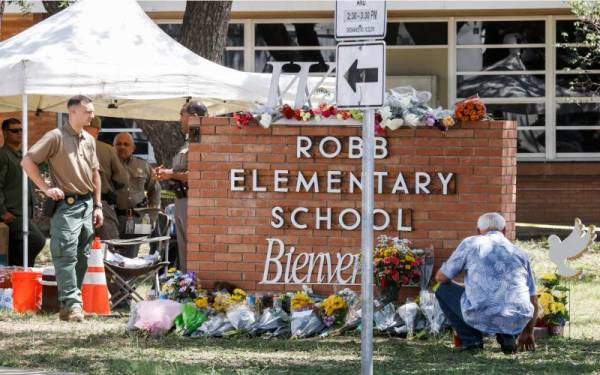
(102, 346)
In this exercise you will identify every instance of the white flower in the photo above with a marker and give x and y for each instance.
(305, 116)
(385, 113)
(317, 118)
(265, 120)
(339, 116)
(393, 124)
(411, 119)
(405, 102)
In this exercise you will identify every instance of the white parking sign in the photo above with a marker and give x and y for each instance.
(360, 19)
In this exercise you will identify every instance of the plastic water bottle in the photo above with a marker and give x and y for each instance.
(130, 224)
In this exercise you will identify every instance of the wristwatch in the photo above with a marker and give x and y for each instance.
(98, 205)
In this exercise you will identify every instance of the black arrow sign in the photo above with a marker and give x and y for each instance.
(363, 75)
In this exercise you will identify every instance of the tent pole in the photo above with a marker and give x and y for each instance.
(25, 194)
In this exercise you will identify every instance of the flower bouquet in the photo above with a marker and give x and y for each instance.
(395, 265)
(181, 287)
(334, 309)
(471, 109)
(553, 299)
(306, 321)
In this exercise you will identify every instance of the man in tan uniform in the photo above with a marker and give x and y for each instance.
(113, 176)
(74, 168)
(142, 191)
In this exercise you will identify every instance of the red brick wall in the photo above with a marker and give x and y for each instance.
(556, 193)
(227, 230)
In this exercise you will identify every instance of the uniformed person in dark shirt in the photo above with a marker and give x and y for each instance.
(113, 176)
(74, 168)
(178, 175)
(141, 192)
(11, 192)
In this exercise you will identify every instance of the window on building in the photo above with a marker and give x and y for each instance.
(504, 62)
(234, 45)
(111, 126)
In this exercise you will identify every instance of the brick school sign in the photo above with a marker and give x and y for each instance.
(273, 208)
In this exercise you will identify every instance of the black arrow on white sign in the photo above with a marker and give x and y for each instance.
(355, 75)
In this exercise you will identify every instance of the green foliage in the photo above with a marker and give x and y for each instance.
(587, 32)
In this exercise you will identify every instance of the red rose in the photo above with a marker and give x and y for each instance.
(395, 260)
(297, 115)
(405, 280)
(379, 130)
(326, 113)
(383, 283)
(387, 260)
(395, 275)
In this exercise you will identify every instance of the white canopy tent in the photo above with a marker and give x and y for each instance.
(112, 51)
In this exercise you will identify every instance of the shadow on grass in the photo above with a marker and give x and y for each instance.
(132, 353)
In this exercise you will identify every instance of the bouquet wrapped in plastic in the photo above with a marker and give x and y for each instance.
(432, 311)
(190, 319)
(156, 317)
(409, 312)
(179, 286)
(305, 320)
(470, 109)
(216, 326)
(386, 319)
(273, 322)
(306, 323)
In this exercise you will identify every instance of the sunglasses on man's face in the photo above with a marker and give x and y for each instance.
(15, 131)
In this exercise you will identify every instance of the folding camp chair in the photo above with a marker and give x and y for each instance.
(126, 279)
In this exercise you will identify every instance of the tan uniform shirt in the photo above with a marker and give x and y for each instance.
(71, 157)
(140, 182)
(112, 173)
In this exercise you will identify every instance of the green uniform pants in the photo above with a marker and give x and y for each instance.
(71, 234)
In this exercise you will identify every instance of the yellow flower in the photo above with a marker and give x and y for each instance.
(557, 307)
(333, 303)
(201, 302)
(545, 300)
(172, 270)
(549, 277)
(300, 300)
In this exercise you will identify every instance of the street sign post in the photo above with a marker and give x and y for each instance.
(360, 19)
(360, 75)
(360, 83)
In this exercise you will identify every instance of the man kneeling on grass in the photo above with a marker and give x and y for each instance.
(499, 295)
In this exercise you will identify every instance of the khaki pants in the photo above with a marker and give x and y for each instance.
(71, 232)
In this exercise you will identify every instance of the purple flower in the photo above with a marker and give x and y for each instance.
(329, 321)
(429, 119)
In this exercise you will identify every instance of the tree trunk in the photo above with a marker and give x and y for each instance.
(53, 7)
(204, 31)
(166, 138)
(204, 28)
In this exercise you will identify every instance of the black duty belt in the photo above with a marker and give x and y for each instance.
(70, 199)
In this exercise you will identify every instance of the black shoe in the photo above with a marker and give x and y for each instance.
(470, 348)
(508, 343)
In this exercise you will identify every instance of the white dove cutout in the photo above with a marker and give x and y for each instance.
(571, 247)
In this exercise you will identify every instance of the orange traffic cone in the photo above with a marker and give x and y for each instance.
(94, 290)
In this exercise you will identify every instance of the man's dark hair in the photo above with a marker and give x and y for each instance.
(196, 108)
(77, 100)
(8, 122)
